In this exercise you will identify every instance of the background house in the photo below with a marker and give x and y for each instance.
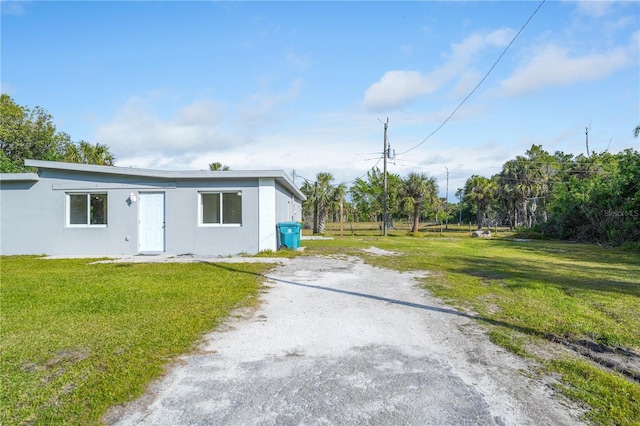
(78, 209)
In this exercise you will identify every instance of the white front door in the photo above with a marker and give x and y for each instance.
(151, 224)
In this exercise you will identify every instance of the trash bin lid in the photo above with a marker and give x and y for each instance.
(289, 224)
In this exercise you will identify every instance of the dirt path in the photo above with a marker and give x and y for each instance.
(337, 341)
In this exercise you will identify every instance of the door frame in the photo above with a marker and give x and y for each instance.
(143, 196)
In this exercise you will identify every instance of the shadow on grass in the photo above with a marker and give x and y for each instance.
(574, 277)
(449, 311)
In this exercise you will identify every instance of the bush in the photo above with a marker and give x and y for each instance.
(534, 233)
(630, 247)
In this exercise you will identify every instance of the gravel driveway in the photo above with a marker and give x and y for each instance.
(336, 341)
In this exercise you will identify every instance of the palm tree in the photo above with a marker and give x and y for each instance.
(323, 199)
(218, 167)
(336, 196)
(96, 154)
(316, 206)
(522, 182)
(84, 152)
(367, 195)
(514, 188)
(479, 191)
(308, 205)
(418, 189)
(636, 131)
(72, 153)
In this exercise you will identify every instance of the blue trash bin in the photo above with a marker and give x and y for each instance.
(289, 235)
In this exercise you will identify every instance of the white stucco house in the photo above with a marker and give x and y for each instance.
(78, 209)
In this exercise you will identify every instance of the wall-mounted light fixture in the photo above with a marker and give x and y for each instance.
(239, 194)
(132, 198)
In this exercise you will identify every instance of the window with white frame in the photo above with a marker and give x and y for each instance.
(221, 208)
(87, 209)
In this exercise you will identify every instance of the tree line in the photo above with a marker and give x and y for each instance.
(29, 133)
(592, 198)
(410, 198)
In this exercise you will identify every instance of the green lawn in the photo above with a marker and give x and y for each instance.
(79, 338)
(537, 299)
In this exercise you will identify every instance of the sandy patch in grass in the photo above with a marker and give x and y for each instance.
(380, 252)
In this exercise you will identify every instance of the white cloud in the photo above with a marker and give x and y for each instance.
(473, 44)
(343, 143)
(297, 60)
(12, 8)
(594, 8)
(467, 81)
(554, 66)
(262, 109)
(199, 113)
(396, 89)
(621, 23)
(426, 121)
(136, 130)
(196, 134)
(486, 159)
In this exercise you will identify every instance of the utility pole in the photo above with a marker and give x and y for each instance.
(342, 216)
(446, 203)
(460, 205)
(384, 192)
(315, 210)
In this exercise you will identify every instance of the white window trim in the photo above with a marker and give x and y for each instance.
(217, 225)
(83, 225)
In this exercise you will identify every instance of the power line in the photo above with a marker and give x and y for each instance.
(481, 81)
(361, 176)
(347, 182)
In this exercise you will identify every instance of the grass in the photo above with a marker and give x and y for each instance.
(400, 229)
(613, 400)
(530, 295)
(79, 338)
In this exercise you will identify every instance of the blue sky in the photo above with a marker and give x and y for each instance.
(306, 85)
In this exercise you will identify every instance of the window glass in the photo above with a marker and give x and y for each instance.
(98, 211)
(231, 208)
(87, 209)
(78, 209)
(210, 208)
(221, 208)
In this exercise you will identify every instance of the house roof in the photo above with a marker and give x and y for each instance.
(279, 175)
(19, 177)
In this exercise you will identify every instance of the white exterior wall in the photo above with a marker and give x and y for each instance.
(33, 213)
(267, 239)
(288, 206)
